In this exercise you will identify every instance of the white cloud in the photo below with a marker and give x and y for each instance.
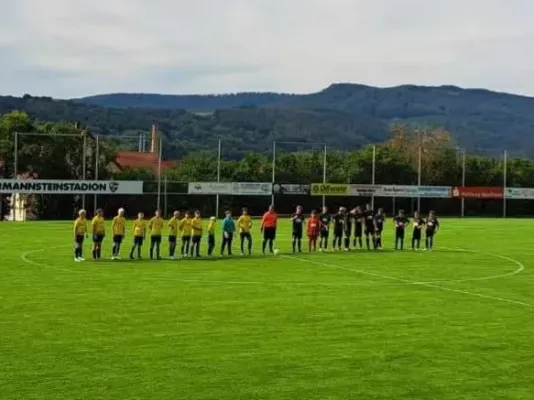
(69, 48)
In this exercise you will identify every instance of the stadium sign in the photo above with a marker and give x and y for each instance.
(478, 192)
(519, 193)
(329, 189)
(252, 188)
(210, 188)
(364, 190)
(398, 191)
(434, 191)
(44, 186)
(291, 188)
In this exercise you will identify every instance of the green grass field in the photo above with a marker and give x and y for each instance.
(456, 323)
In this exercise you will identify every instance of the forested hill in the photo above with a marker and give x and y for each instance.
(479, 119)
(344, 116)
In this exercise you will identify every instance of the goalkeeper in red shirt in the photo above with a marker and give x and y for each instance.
(313, 228)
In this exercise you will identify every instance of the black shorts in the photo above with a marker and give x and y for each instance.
(417, 234)
(245, 235)
(325, 233)
(269, 233)
(79, 239)
(138, 240)
(172, 239)
(156, 239)
(399, 233)
(370, 230)
(186, 239)
(196, 239)
(98, 238)
(430, 233)
(348, 233)
(297, 234)
(117, 239)
(338, 233)
(378, 231)
(358, 232)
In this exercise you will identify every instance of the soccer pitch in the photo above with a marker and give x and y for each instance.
(456, 323)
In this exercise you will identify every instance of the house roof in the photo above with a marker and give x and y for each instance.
(136, 159)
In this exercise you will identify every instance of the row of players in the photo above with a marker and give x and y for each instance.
(356, 223)
(189, 228)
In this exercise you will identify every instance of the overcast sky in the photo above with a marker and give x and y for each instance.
(74, 48)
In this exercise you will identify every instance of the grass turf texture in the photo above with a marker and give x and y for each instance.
(321, 326)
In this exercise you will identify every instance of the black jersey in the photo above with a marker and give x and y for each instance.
(369, 218)
(400, 222)
(379, 222)
(348, 224)
(358, 223)
(339, 223)
(418, 224)
(432, 224)
(325, 220)
(298, 222)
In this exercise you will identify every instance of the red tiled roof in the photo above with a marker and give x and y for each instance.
(135, 159)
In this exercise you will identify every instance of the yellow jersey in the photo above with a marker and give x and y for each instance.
(196, 227)
(118, 226)
(80, 226)
(139, 228)
(99, 225)
(211, 228)
(186, 225)
(156, 226)
(244, 223)
(174, 226)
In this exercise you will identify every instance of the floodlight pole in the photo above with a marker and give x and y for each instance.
(97, 157)
(160, 155)
(373, 173)
(84, 157)
(505, 173)
(217, 197)
(274, 171)
(324, 174)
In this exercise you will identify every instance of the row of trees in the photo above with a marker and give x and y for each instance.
(49, 154)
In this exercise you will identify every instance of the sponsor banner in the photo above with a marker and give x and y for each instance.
(54, 186)
(398, 191)
(364, 190)
(478, 192)
(210, 188)
(519, 193)
(291, 188)
(434, 191)
(252, 188)
(329, 189)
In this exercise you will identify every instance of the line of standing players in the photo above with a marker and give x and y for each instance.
(350, 227)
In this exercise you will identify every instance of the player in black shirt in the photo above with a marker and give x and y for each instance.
(348, 228)
(370, 228)
(401, 222)
(298, 223)
(339, 228)
(432, 226)
(418, 224)
(380, 218)
(358, 227)
(324, 231)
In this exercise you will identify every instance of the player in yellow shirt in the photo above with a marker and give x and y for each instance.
(79, 234)
(139, 233)
(156, 228)
(174, 225)
(118, 228)
(99, 232)
(244, 224)
(211, 235)
(186, 226)
(196, 234)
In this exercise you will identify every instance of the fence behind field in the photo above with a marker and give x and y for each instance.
(502, 181)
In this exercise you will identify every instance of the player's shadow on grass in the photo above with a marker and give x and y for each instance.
(304, 254)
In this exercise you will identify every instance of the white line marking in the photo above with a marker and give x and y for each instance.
(407, 281)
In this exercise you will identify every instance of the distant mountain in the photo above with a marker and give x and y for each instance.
(479, 119)
(344, 116)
